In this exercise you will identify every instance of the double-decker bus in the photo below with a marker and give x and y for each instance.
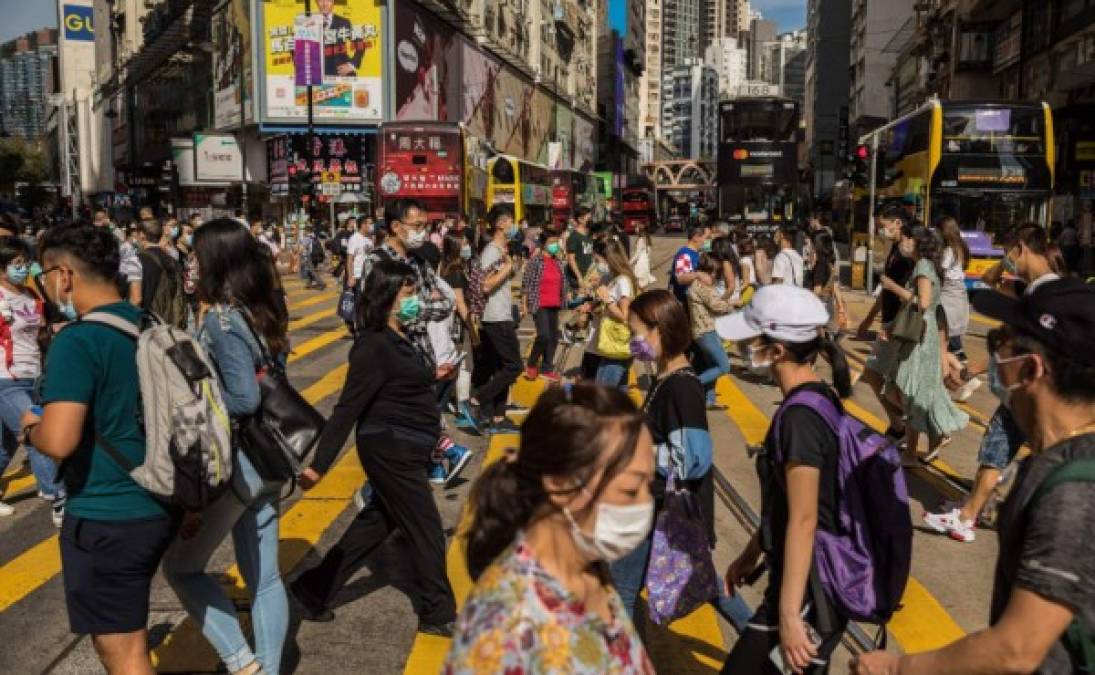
(757, 173)
(524, 187)
(990, 165)
(438, 164)
(572, 189)
(637, 204)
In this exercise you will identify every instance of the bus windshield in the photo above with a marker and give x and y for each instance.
(989, 129)
(759, 120)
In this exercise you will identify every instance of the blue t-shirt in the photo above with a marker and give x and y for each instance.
(686, 261)
(96, 365)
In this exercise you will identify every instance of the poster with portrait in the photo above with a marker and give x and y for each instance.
(231, 59)
(351, 91)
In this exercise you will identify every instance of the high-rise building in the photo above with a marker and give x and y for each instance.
(682, 42)
(691, 121)
(873, 26)
(724, 18)
(760, 34)
(828, 26)
(729, 61)
(650, 85)
(27, 77)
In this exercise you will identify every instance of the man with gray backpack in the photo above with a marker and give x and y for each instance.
(134, 424)
(1042, 616)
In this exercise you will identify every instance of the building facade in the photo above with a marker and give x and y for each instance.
(27, 77)
(729, 61)
(873, 25)
(828, 28)
(650, 84)
(692, 125)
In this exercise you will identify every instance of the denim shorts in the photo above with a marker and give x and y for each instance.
(1001, 442)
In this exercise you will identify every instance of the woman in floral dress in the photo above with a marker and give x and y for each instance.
(919, 372)
(548, 518)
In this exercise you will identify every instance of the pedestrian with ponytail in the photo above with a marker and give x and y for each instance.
(574, 497)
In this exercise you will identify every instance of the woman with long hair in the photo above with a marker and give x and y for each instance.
(241, 318)
(456, 253)
(640, 256)
(389, 395)
(824, 280)
(705, 304)
(954, 297)
(918, 375)
(798, 476)
(549, 517)
(543, 295)
(675, 415)
(611, 337)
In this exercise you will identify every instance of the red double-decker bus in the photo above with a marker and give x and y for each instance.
(430, 162)
(637, 205)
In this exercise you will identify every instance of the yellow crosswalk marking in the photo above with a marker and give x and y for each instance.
(310, 319)
(318, 342)
(314, 300)
(16, 482)
(921, 623)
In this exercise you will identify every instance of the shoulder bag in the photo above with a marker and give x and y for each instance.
(909, 325)
(286, 427)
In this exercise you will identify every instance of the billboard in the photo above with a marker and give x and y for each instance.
(231, 59)
(344, 154)
(77, 23)
(351, 90)
(217, 157)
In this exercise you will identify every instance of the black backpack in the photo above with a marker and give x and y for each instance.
(316, 252)
(168, 299)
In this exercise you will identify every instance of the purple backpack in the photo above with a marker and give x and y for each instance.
(863, 568)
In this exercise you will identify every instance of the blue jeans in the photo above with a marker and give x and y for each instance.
(629, 574)
(249, 511)
(16, 397)
(613, 372)
(711, 347)
(1001, 442)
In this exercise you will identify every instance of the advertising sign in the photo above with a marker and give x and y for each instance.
(340, 155)
(424, 162)
(351, 89)
(217, 158)
(77, 23)
(231, 54)
(308, 50)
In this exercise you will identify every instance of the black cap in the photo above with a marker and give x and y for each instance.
(1060, 314)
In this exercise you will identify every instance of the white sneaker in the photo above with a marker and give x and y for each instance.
(951, 524)
(6, 509)
(963, 393)
(57, 510)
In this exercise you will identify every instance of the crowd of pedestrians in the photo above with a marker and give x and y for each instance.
(572, 526)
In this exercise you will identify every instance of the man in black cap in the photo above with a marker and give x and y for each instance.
(1042, 367)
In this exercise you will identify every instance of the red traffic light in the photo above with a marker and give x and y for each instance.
(862, 152)
(292, 170)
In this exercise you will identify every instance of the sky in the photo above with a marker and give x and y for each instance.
(788, 14)
(23, 16)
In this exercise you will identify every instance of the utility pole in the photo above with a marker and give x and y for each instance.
(243, 127)
(311, 130)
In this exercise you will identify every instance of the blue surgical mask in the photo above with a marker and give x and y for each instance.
(465, 252)
(188, 240)
(409, 308)
(67, 309)
(17, 274)
(35, 269)
(175, 232)
(1009, 265)
(996, 385)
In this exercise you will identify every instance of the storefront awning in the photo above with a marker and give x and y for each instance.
(318, 130)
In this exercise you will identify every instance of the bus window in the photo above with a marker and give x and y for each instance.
(502, 171)
(991, 130)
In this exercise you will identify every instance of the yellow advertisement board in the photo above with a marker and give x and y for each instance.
(352, 62)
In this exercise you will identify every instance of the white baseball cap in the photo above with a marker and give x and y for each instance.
(781, 311)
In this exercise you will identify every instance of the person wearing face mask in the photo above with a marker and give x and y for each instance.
(22, 318)
(574, 497)
(404, 231)
(114, 532)
(390, 395)
(916, 373)
(543, 293)
(685, 263)
(1028, 255)
(455, 259)
(898, 268)
(798, 475)
(499, 362)
(1043, 598)
(676, 417)
(610, 337)
(787, 266)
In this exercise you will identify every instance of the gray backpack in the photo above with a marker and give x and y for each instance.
(188, 435)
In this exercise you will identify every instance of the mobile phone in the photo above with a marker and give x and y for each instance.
(776, 655)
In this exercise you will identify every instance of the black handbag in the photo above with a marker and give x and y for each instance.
(279, 436)
(909, 325)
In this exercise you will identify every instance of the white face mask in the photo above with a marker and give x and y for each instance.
(757, 361)
(416, 238)
(617, 531)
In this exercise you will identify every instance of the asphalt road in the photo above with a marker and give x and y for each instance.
(374, 630)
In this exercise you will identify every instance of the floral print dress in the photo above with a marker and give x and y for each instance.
(519, 619)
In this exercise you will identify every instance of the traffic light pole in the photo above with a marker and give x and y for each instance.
(311, 129)
(869, 281)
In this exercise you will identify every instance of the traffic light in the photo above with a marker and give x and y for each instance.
(860, 172)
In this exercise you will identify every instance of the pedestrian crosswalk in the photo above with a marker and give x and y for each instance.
(696, 643)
